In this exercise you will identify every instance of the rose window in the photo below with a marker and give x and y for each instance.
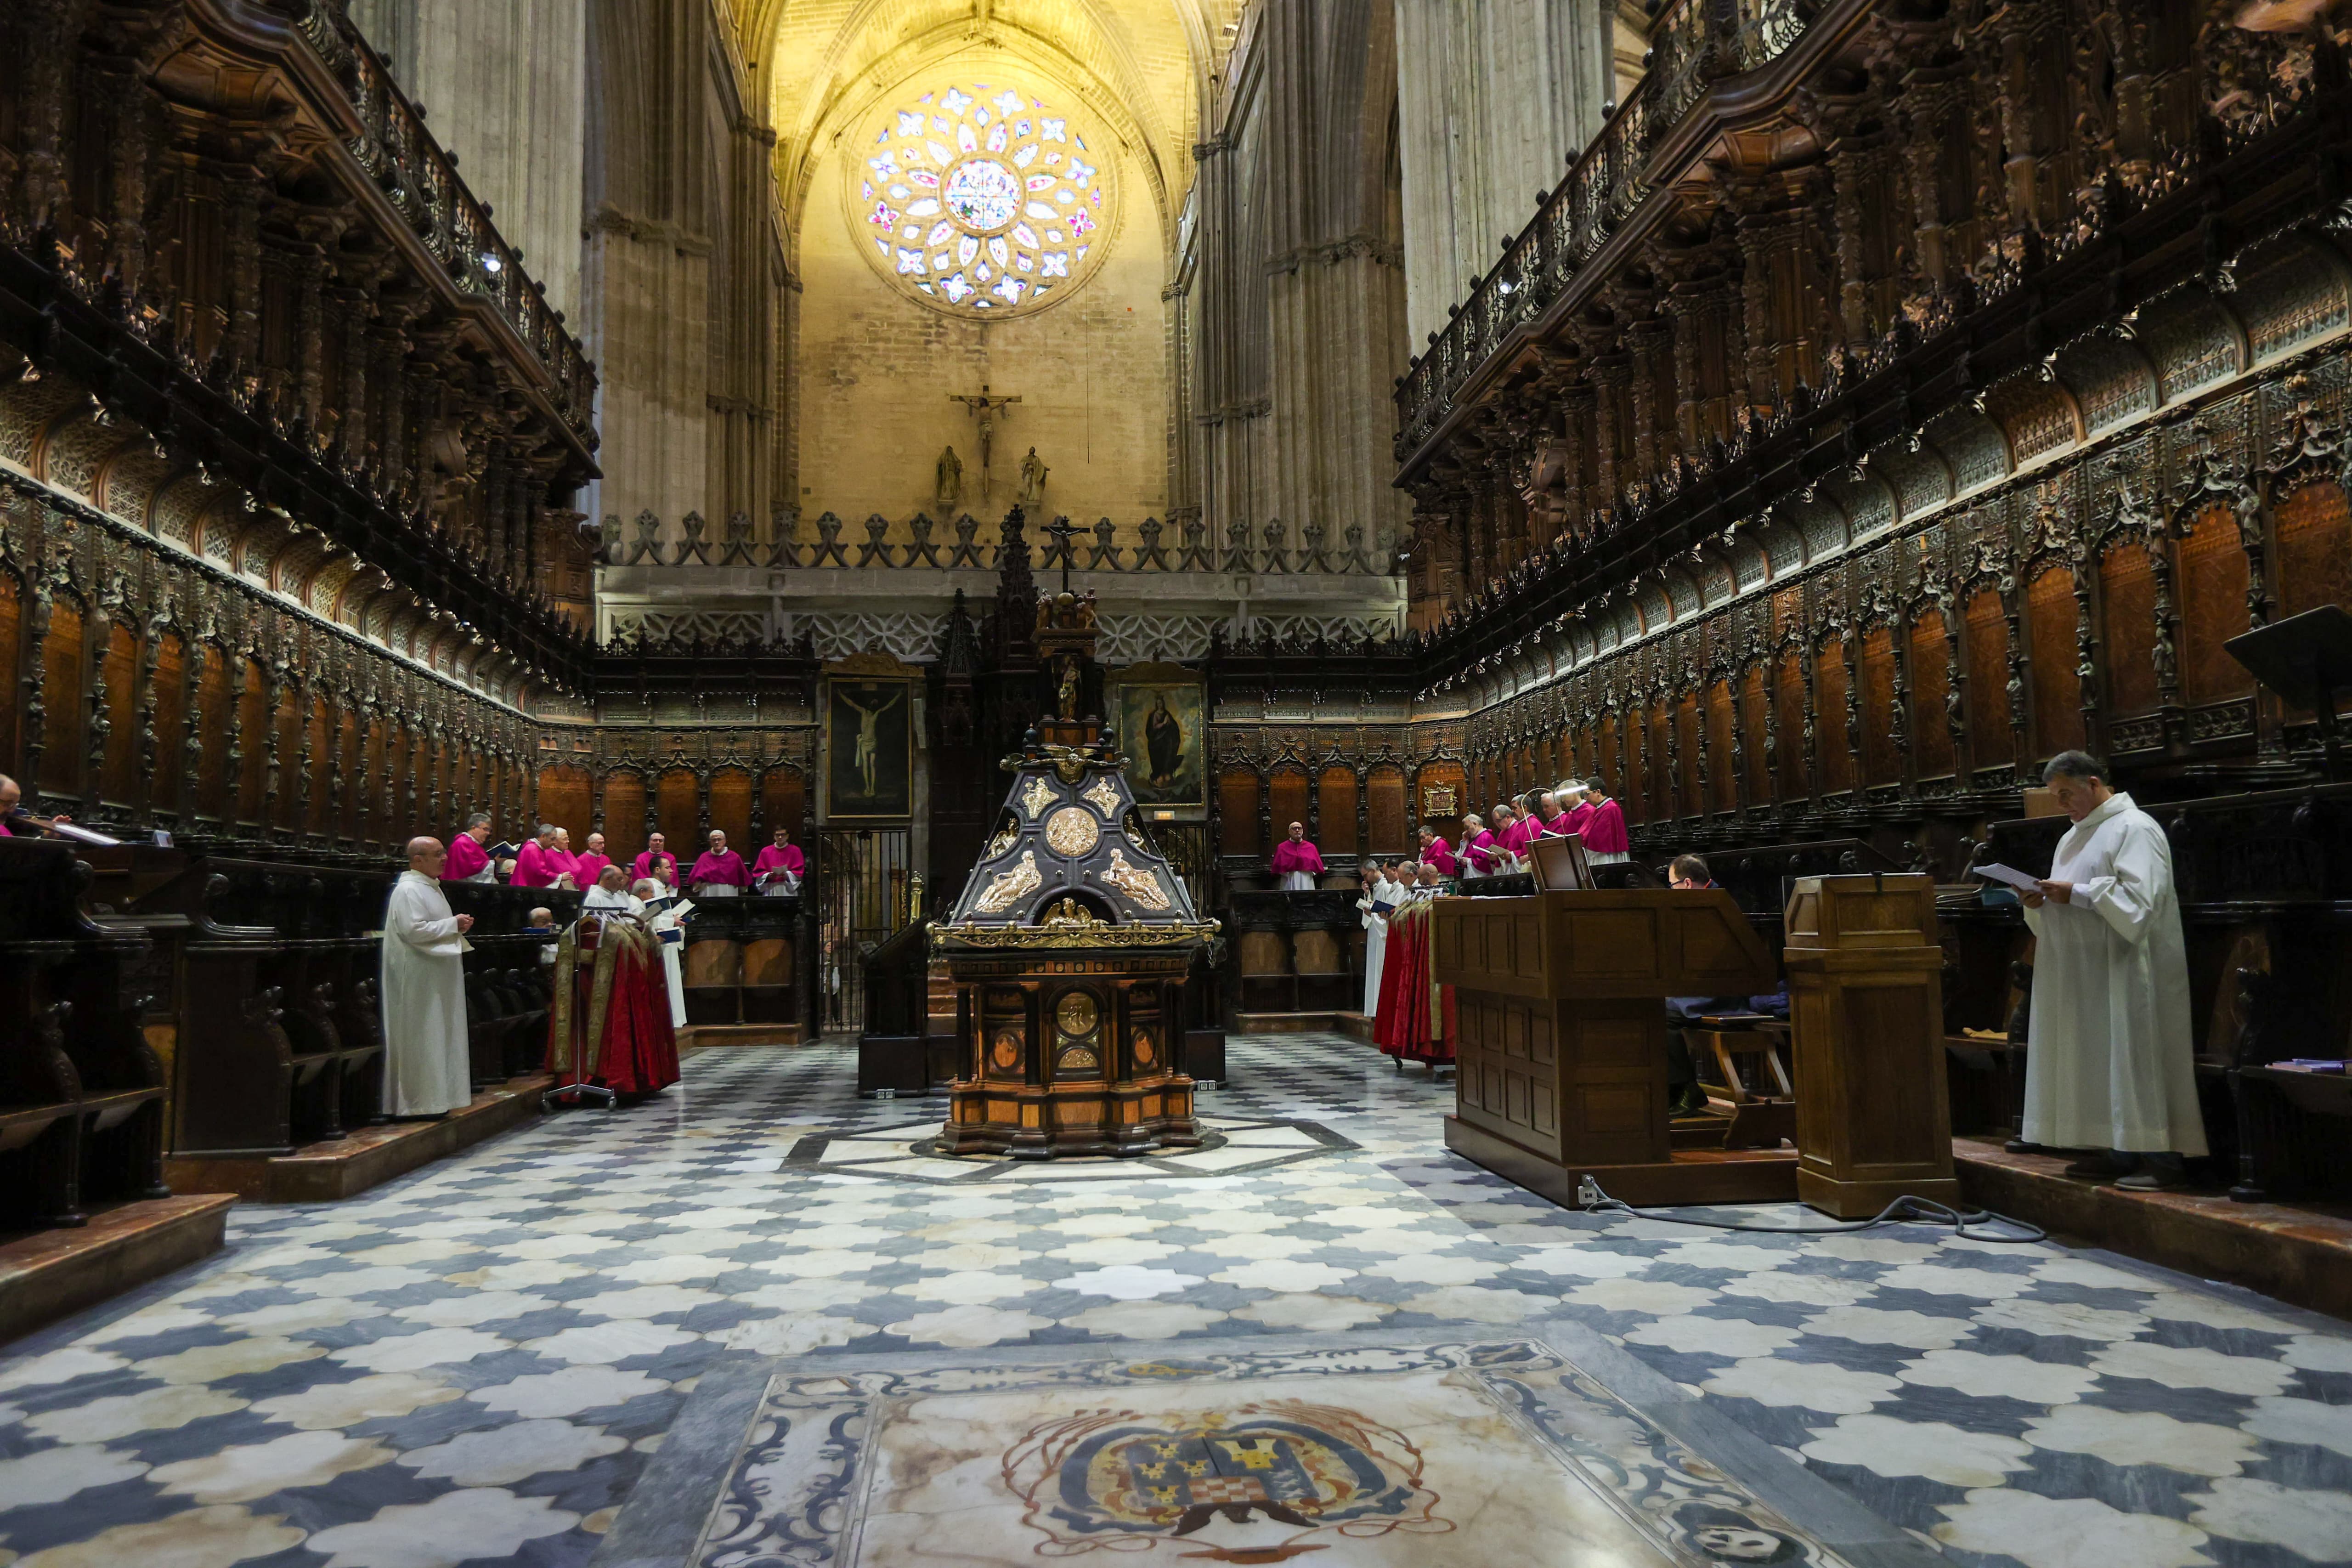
(984, 201)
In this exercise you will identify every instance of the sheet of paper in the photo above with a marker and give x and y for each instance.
(2010, 874)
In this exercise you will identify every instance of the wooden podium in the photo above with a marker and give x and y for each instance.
(1561, 1038)
(1866, 995)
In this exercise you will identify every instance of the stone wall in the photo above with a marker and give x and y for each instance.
(875, 369)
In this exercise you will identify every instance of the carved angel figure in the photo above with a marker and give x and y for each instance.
(1009, 887)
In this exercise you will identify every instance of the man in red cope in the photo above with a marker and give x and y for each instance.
(778, 867)
(657, 854)
(1415, 1019)
(1296, 863)
(718, 872)
(1605, 842)
(538, 865)
(469, 860)
(609, 1023)
(590, 867)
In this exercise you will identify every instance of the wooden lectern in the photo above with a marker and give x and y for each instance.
(1866, 995)
(1561, 1038)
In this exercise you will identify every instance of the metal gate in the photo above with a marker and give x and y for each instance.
(863, 887)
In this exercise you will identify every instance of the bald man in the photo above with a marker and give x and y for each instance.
(11, 797)
(426, 1068)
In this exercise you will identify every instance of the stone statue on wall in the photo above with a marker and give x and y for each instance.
(947, 482)
(1032, 480)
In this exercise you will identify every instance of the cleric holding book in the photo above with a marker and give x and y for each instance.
(468, 858)
(1296, 863)
(2113, 1069)
(781, 865)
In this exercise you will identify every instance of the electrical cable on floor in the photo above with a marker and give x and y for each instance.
(1905, 1209)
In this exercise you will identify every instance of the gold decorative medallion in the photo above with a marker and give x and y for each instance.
(1037, 797)
(1076, 1013)
(1010, 884)
(1136, 882)
(1072, 832)
(1104, 795)
(1078, 1059)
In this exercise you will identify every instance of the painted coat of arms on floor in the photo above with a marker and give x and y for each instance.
(1249, 1483)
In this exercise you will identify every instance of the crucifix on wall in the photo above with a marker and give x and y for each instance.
(984, 409)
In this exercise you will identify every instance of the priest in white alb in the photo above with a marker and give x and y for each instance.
(2109, 1064)
(426, 1068)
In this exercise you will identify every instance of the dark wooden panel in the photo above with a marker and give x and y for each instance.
(565, 799)
(1337, 793)
(2212, 608)
(1990, 740)
(1882, 764)
(1688, 798)
(119, 773)
(253, 721)
(1391, 822)
(784, 801)
(61, 685)
(12, 623)
(2127, 627)
(1725, 779)
(1287, 797)
(2057, 686)
(166, 789)
(731, 810)
(1829, 717)
(2314, 549)
(625, 816)
(1752, 717)
(1237, 812)
(677, 811)
(1789, 697)
(1931, 685)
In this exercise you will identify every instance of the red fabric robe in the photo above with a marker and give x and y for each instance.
(640, 1053)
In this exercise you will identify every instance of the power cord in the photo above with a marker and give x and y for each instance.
(1905, 1209)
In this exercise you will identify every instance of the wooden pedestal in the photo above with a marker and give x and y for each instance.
(1070, 1053)
(1866, 993)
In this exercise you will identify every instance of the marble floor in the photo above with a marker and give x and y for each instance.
(476, 1365)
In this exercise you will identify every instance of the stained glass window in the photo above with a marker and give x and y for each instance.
(982, 199)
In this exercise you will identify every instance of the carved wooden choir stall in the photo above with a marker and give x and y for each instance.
(1069, 949)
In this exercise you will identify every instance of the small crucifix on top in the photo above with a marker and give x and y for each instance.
(985, 408)
(1063, 532)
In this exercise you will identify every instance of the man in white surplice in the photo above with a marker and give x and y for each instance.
(1381, 897)
(2109, 1064)
(426, 1069)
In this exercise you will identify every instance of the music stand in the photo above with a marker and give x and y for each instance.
(2306, 660)
(1557, 862)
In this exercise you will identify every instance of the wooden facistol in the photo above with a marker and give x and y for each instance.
(1562, 1038)
(1865, 998)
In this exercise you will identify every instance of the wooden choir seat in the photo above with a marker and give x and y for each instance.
(81, 1090)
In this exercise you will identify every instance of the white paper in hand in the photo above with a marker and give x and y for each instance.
(2010, 874)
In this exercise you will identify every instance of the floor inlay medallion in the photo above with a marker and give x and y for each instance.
(909, 1151)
